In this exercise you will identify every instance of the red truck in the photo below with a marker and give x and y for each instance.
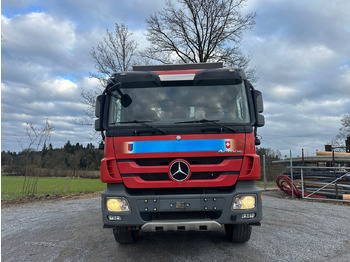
(179, 151)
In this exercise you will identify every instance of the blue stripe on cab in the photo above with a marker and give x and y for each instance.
(179, 146)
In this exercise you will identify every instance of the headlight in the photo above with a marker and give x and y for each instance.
(117, 205)
(244, 202)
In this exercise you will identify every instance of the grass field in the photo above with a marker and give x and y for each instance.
(11, 187)
(269, 184)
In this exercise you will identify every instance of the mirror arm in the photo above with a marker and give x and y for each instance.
(257, 140)
(119, 92)
(115, 86)
(101, 146)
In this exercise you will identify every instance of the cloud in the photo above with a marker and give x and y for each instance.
(343, 82)
(300, 47)
(47, 63)
(301, 50)
(87, 14)
(41, 72)
(61, 89)
(38, 37)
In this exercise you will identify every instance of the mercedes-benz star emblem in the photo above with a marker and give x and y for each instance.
(179, 171)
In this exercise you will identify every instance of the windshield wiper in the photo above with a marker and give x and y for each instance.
(144, 123)
(213, 122)
(198, 121)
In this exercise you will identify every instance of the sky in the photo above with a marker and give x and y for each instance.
(301, 50)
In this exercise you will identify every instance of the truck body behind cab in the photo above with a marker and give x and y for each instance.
(179, 147)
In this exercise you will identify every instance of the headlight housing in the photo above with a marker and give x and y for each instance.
(117, 204)
(244, 202)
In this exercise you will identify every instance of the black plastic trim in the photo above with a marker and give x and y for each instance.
(178, 67)
(190, 129)
(191, 160)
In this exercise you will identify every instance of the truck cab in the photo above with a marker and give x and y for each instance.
(179, 151)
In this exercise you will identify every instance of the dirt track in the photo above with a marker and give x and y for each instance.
(71, 230)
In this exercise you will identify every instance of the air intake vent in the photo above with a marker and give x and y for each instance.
(112, 168)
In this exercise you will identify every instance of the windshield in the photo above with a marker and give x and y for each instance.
(177, 104)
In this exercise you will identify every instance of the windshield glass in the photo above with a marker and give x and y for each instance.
(169, 105)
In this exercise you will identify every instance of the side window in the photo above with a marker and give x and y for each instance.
(239, 106)
(118, 107)
(242, 106)
(114, 111)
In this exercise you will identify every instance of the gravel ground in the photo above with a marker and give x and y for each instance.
(71, 230)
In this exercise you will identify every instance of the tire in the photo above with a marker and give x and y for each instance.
(238, 233)
(125, 236)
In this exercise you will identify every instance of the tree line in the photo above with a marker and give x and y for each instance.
(272, 170)
(70, 157)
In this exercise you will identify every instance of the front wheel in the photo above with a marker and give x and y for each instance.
(238, 233)
(123, 235)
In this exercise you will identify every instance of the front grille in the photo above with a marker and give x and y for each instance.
(165, 176)
(203, 175)
(155, 177)
(143, 168)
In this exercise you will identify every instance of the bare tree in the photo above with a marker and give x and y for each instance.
(194, 31)
(190, 31)
(115, 53)
(344, 131)
(88, 98)
(35, 139)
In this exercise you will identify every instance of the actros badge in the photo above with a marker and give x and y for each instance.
(179, 171)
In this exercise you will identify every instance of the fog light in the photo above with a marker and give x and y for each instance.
(248, 215)
(117, 205)
(114, 218)
(244, 202)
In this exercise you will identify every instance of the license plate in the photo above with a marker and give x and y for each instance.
(180, 205)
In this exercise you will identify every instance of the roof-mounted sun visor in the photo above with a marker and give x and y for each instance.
(137, 79)
(223, 76)
(176, 75)
(178, 72)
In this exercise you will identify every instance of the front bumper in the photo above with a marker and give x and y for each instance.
(163, 212)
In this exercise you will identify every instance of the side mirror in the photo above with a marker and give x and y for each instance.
(125, 100)
(260, 120)
(100, 103)
(257, 141)
(259, 105)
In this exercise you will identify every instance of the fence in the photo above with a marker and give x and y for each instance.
(317, 177)
(332, 182)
